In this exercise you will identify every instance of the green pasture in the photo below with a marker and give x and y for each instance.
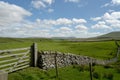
(103, 49)
(74, 72)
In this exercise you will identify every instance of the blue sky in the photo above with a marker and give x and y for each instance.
(58, 18)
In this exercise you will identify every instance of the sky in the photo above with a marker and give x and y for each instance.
(58, 18)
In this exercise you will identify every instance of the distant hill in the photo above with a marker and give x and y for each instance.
(111, 35)
(108, 36)
(7, 39)
(63, 38)
(22, 40)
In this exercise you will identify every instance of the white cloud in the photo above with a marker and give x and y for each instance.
(86, 34)
(112, 19)
(107, 16)
(70, 21)
(38, 4)
(105, 5)
(116, 2)
(112, 3)
(13, 23)
(63, 32)
(114, 23)
(50, 10)
(110, 10)
(115, 15)
(63, 21)
(12, 19)
(79, 20)
(56, 26)
(96, 19)
(65, 29)
(41, 3)
(109, 20)
(10, 14)
(37, 33)
(101, 25)
(48, 1)
(81, 27)
(69, 32)
(74, 1)
(50, 28)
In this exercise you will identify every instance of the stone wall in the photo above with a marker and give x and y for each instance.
(46, 59)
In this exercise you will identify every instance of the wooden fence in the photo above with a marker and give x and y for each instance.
(15, 59)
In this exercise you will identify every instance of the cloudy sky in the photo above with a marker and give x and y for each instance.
(58, 18)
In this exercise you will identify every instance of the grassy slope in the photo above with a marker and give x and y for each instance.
(112, 34)
(94, 49)
(102, 50)
(67, 73)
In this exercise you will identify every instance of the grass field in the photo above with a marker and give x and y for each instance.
(102, 50)
(67, 73)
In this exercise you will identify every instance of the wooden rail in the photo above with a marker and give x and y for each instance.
(12, 50)
(14, 61)
(10, 64)
(19, 68)
(14, 55)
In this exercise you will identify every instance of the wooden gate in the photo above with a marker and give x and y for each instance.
(14, 59)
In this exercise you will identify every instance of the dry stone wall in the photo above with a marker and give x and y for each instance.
(46, 59)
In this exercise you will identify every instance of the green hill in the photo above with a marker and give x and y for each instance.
(110, 36)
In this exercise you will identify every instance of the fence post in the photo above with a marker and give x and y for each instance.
(117, 44)
(34, 55)
(90, 66)
(56, 67)
(3, 75)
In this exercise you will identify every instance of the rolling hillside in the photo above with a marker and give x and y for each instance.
(112, 35)
(108, 36)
